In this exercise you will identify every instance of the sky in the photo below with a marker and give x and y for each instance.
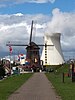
(50, 16)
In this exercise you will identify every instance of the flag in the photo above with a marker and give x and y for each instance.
(10, 49)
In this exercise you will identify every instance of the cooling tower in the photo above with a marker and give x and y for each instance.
(52, 53)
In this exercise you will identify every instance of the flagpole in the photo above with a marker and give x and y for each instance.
(10, 63)
(10, 51)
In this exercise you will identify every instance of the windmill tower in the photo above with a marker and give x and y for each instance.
(52, 55)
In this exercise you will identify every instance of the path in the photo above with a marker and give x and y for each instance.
(36, 88)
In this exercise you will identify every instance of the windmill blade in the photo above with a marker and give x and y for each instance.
(44, 45)
(31, 32)
(12, 44)
(16, 45)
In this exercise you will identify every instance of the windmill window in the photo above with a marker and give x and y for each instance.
(45, 48)
(45, 56)
(46, 62)
(45, 51)
(45, 59)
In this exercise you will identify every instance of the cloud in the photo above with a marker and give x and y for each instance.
(5, 3)
(64, 23)
(41, 1)
(16, 27)
(31, 1)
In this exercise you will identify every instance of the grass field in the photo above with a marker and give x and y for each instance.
(12, 83)
(67, 89)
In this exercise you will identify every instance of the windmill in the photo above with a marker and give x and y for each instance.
(32, 54)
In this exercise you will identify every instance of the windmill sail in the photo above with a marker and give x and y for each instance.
(31, 32)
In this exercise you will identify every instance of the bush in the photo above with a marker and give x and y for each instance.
(2, 72)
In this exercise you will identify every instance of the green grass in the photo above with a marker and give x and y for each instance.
(12, 83)
(67, 89)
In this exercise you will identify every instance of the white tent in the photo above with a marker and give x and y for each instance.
(52, 54)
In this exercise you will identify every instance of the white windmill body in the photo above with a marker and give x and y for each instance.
(52, 53)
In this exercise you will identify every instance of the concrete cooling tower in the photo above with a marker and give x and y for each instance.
(52, 53)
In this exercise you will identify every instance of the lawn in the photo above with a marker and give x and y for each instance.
(12, 83)
(67, 89)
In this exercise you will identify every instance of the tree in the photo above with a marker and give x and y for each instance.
(2, 70)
